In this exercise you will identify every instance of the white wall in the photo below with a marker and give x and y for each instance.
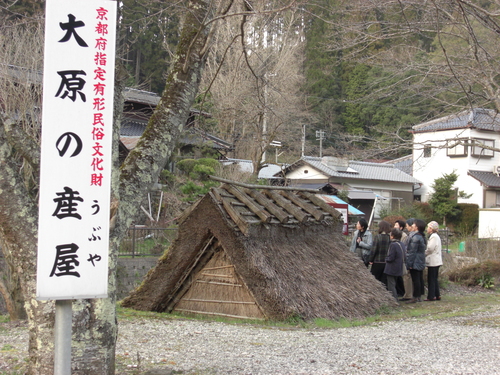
(488, 223)
(428, 169)
(306, 172)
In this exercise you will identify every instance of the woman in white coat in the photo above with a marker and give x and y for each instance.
(433, 260)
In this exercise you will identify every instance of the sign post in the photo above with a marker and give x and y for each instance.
(76, 144)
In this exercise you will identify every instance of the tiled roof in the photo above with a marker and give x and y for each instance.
(489, 179)
(359, 170)
(478, 118)
(404, 163)
(140, 96)
(133, 128)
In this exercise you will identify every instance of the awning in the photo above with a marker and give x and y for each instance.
(353, 211)
(361, 194)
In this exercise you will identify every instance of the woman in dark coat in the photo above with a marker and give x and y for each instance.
(394, 261)
(379, 249)
(415, 262)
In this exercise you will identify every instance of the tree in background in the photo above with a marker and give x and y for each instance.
(150, 32)
(444, 199)
(442, 55)
(254, 77)
(95, 327)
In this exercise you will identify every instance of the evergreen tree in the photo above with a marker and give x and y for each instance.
(444, 198)
(150, 34)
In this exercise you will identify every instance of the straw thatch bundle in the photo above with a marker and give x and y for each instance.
(227, 262)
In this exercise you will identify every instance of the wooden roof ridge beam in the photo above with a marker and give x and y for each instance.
(321, 204)
(261, 187)
(252, 206)
(300, 215)
(280, 214)
(306, 206)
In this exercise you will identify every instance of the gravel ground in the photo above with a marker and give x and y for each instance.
(463, 345)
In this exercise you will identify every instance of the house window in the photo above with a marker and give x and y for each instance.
(427, 151)
(497, 203)
(478, 150)
(456, 147)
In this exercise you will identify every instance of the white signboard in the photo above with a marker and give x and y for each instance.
(78, 85)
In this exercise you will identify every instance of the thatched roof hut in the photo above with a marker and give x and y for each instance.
(260, 252)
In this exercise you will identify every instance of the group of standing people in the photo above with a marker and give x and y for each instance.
(402, 252)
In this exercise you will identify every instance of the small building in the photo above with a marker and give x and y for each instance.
(260, 252)
(369, 186)
(465, 143)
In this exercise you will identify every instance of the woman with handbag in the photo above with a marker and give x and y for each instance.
(362, 241)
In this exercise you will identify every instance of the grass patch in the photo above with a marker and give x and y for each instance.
(462, 302)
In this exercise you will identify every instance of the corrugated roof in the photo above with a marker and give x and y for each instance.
(478, 118)
(489, 179)
(360, 170)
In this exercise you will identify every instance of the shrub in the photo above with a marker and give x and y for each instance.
(201, 172)
(186, 166)
(467, 220)
(476, 274)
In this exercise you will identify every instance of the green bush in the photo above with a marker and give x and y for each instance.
(212, 163)
(467, 221)
(186, 166)
(416, 210)
(201, 172)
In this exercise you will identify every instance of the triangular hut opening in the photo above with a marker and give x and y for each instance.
(260, 252)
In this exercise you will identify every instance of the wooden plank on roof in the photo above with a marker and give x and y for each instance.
(217, 194)
(252, 206)
(306, 206)
(281, 215)
(300, 215)
(242, 224)
(321, 204)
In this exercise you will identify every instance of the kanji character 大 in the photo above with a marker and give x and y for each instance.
(70, 27)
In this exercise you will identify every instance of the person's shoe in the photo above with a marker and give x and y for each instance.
(430, 299)
(419, 299)
(405, 299)
(438, 298)
(413, 300)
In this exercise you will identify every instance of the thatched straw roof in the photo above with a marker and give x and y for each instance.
(260, 252)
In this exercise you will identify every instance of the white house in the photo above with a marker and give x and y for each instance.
(463, 143)
(367, 184)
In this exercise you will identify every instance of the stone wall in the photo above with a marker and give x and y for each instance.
(130, 273)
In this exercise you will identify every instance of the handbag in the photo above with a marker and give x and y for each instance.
(404, 270)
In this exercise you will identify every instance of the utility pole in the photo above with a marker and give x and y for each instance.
(320, 134)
